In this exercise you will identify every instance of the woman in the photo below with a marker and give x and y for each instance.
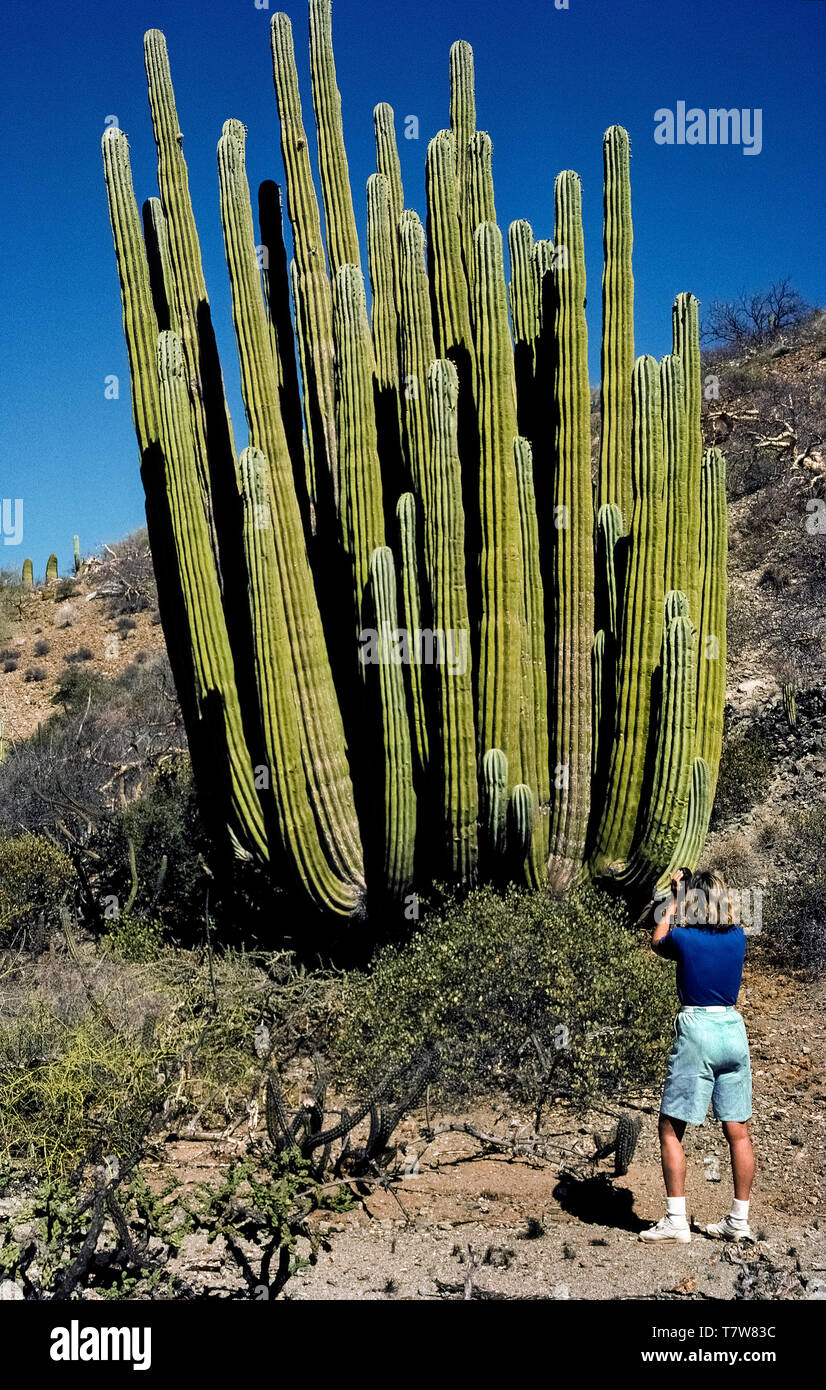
(710, 1058)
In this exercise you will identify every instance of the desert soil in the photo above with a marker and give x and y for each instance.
(463, 1225)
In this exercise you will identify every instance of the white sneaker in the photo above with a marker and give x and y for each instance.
(666, 1229)
(726, 1230)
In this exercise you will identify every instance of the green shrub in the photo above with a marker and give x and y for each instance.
(136, 938)
(36, 879)
(746, 772)
(520, 991)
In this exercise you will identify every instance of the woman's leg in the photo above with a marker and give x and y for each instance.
(672, 1155)
(742, 1157)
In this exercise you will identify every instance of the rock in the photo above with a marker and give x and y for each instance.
(10, 1292)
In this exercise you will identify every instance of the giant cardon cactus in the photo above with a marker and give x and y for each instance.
(412, 639)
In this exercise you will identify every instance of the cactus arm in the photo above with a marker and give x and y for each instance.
(686, 346)
(412, 615)
(445, 551)
(156, 238)
(418, 350)
(692, 836)
(340, 219)
(308, 849)
(494, 803)
(642, 625)
(140, 322)
(711, 667)
(534, 713)
(463, 126)
(216, 695)
(276, 277)
(311, 285)
(677, 557)
(399, 793)
(382, 254)
(668, 800)
(361, 502)
(451, 308)
(572, 559)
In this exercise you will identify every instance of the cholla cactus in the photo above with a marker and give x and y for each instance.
(545, 704)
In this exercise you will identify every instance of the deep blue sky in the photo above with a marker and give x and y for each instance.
(708, 219)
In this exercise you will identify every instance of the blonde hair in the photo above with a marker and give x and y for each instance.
(710, 903)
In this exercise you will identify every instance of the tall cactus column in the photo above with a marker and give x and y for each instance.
(342, 237)
(642, 625)
(312, 291)
(445, 550)
(617, 324)
(306, 681)
(711, 661)
(500, 640)
(572, 561)
(686, 346)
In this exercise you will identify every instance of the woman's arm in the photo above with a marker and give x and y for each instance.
(666, 922)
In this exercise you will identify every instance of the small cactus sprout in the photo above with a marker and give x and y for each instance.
(790, 703)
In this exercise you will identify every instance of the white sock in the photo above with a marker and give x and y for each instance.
(739, 1211)
(675, 1210)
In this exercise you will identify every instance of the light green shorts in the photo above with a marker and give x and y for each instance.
(709, 1062)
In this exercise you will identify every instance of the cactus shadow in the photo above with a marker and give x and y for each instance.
(597, 1202)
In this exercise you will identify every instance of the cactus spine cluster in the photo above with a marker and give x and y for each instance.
(411, 639)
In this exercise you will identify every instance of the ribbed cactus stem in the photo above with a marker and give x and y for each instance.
(387, 158)
(216, 695)
(668, 800)
(339, 217)
(156, 238)
(310, 685)
(678, 560)
(413, 621)
(617, 324)
(609, 533)
(789, 703)
(463, 126)
(27, 576)
(524, 319)
(479, 202)
(534, 714)
(382, 254)
(495, 801)
(312, 292)
(572, 557)
(521, 822)
(276, 281)
(686, 345)
(140, 322)
(711, 623)
(76, 554)
(361, 502)
(445, 551)
(500, 640)
(418, 350)
(692, 836)
(642, 625)
(451, 308)
(308, 848)
(399, 794)
(51, 569)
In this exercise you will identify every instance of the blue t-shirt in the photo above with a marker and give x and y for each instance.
(709, 963)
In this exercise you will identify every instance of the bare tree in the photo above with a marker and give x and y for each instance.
(752, 319)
